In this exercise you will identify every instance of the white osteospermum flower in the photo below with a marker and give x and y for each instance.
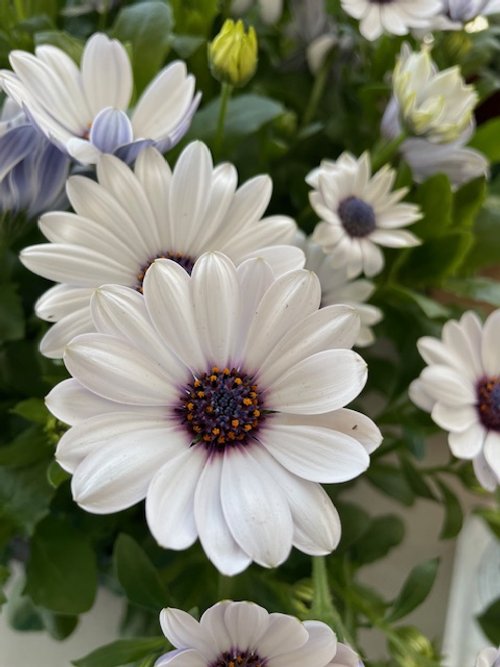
(337, 288)
(244, 634)
(270, 10)
(456, 13)
(395, 17)
(359, 212)
(83, 111)
(219, 397)
(488, 657)
(345, 657)
(436, 105)
(130, 218)
(460, 387)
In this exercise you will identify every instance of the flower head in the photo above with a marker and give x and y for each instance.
(33, 171)
(432, 104)
(392, 16)
(359, 213)
(84, 111)
(488, 657)
(336, 288)
(130, 218)
(460, 387)
(456, 13)
(219, 397)
(232, 55)
(244, 634)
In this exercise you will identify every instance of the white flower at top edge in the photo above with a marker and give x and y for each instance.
(129, 218)
(359, 212)
(219, 397)
(488, 657)
(84, 110)
(460, 387)
(270, 10)
(455, 14)
(337, 288)
(243, 634)
(391, 16)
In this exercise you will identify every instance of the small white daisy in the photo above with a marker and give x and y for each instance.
(219, 397)
(460, 387)
(395, 17)
(84, 111)
(359, 212)
(130, 218)
(243, 634)
(337, 288)
(488, 657)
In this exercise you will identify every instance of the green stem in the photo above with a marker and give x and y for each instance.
(318, 89)
(322, 607)
(19, 7)
(384, 151)
(226, 92)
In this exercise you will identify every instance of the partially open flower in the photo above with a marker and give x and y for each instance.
(232, 55)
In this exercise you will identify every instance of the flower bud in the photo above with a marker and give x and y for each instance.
(432, 104)
(232, 55)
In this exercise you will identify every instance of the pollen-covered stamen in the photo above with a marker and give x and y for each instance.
(185, 261)
(221, 408)
(358, 217)
(237, 658)
(488, 402)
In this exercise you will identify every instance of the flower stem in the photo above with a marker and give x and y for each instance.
(226, 92)
(318, 89)
(323, 608)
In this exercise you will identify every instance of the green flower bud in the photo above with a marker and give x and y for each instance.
(232, 55)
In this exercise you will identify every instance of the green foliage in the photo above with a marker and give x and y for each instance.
(61, 573)
(11, 314)
(487, 139)
(388, 479)
(489, 621)
(415, 590)
(123, 652)
(383, 534)
(453, 518)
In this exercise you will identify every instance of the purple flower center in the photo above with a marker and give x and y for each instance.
(488, 402)
(185, 261)
(220, 408)
(358, 217)
(236, 658)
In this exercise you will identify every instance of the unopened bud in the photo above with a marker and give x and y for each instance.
(232, 55)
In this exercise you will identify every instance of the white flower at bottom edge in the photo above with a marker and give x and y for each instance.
(244, 634)
(391, 16)
(359, 213)
(488, 657)
(460, 387)
(336, 288)
(129, 218)
(219, 397)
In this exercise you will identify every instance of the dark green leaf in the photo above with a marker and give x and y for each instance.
(355, 522)
(416, 480)
(454, 517)
(25, 495)
(384, 533)
(20, 611)
(479, 289)
(122, 652)
(487, 139)
(33, 410)
(64, 41)
(486, 248)
(147, 26)
(435, 198)
(61, 572)
(56, 475)
(29, 446)
(388, 479)
(57, 625)
(416, 588)
(490, 622)
(467, 202)
(137, 574)
(11, 314)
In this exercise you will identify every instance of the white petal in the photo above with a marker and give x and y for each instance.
(154, 175)
(271, 231)
(454, 418)
(254, 276)
(281, 258)
(60, 334)
(419, 395)
(492, 451)
(256, 511)
(170, 499)
(245, 623)
(284, 634)
(113, 369)
(62, 300)
(82, 150)
(484, 473)
(490, 345)
(183, 631)
(212, 622)
(352, 423)
(446, 386)
(215, 537)
(373, 259)
(394, 238)
(325, 381)
(318, 650)
(468, 443)
(183, 658)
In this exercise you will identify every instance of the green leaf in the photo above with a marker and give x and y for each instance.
(63, 40)
(355, 522)
(137, 574)
(384, 533)
(487, 139)
(11, 314)
(61, 573)
(431, 309)
(416, 480)
(454, 517)
(246, 114)
(486, 248)
(33, 410)
(56, 475)
(478, 289)
(20, 611)
(388, 479)
(25, 495)
(57, 625)
(147, 26)
(490, 622)
(416, 588)
(468, 201)
(28, 447)
(435, 198)
(122, 652)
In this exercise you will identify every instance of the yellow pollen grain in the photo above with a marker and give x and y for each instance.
(215, 430)
(226, 371)
(256, 413)
(200, 394)
(213, 378)
(247, 427)
(238, 381)
(190, 406)
(215, 369)
(235, 423)
(247, 401)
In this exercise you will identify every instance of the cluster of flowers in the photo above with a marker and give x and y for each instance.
(210, 348)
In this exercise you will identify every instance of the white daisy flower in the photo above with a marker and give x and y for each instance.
(359, 213)
(488, 657)
(395, 17)
(345, 657)
(243, 634)
(219, 397)
(460, 387)
(84, 110)
(270, 10)
(130, 218)
(455, 14)
(337, 288)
